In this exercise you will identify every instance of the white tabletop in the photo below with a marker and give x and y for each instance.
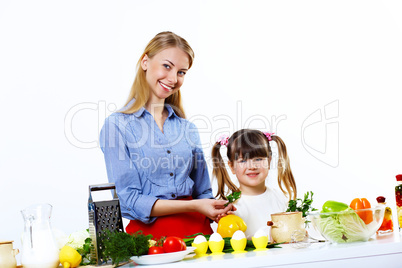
(379, 251)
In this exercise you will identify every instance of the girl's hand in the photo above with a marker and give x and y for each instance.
(228, 213)
(212, 208)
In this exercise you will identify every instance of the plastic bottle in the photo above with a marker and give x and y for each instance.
(387, 225)
(398, 197)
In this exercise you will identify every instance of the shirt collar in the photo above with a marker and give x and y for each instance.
(170, 110)
(141, 111)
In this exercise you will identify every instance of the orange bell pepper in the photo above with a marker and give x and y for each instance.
(362, 203)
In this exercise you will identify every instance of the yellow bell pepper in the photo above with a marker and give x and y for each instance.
(229, 224)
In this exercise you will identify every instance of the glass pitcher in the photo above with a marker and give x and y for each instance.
(39, 248)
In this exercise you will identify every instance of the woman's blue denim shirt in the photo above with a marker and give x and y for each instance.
(146, 164)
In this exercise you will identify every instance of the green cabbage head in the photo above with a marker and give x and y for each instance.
(345, 226)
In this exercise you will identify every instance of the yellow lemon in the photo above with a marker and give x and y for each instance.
(69, 257)
(229, 224)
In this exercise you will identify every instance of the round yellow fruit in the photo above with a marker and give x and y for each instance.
(69, 257)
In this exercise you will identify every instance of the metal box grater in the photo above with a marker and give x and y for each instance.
(103, 215)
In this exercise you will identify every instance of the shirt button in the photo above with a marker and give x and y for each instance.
(171, 174)
(173, 195)
(168, 151)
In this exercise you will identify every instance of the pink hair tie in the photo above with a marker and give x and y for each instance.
(223, 140)
(268, 135)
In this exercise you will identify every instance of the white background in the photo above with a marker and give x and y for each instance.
(272, 65)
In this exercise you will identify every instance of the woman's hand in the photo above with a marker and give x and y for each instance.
(213, 209)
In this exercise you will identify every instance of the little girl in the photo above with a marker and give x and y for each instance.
(249, 155)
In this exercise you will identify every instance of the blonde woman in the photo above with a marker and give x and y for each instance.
(153, 153)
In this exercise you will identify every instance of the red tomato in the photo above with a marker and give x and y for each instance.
(184, 247)
(173, 244)
(155, 250)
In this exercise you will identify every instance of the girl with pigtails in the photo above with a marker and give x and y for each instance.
(249, 155)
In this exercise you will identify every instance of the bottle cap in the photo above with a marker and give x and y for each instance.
(381, 199)
(399, 177)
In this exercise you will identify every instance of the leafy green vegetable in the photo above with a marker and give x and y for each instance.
(304, 205)
(85, 252)
(81, 242)
(233, 197)
(121, 246)
(77, 239)
(345, 226)
(228, 247)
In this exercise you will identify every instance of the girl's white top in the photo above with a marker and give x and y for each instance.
(256, 210)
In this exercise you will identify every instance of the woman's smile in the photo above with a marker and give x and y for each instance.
(166, 87)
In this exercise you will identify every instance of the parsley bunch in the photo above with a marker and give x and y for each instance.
(85, 252)
(303, 205)
(232, 197)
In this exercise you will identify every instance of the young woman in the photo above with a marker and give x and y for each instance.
(152, 152)
(249, 155)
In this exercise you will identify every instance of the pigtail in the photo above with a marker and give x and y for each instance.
(285, 176)
(220, 172)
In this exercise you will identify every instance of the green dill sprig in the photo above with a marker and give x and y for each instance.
(121, 246)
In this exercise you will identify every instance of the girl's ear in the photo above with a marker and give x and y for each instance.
(230, 164)
(144, 62)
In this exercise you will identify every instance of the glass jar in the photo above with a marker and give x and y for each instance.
(398, 197)
(387, 225)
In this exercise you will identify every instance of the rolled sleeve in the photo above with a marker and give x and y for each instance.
(122, 171)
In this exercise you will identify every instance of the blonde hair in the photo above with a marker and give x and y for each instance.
(248, 144)
(140, 89)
